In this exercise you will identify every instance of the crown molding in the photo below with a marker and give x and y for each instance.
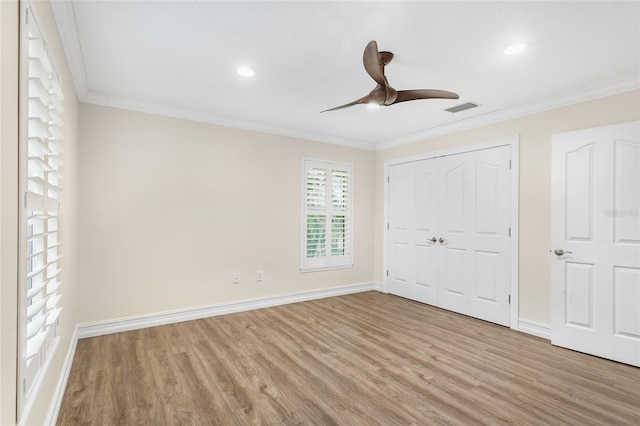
(104, 99)
(611, 88)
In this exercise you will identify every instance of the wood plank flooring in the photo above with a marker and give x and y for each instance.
(362, 359)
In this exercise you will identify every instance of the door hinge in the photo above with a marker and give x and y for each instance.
(24, 385)
(509, 299)
(509, 231)
(387, 226)
(388, 179)
(387, 272)
(509, 164)
(26, 16)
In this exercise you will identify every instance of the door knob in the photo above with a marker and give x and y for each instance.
(560, 252)
(433, 239)
(441, 240)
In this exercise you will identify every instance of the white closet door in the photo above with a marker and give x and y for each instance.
(412, 226)
(596, 241)
(448, 238)
(474, 207)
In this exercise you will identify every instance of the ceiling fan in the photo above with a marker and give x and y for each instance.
(383, 93)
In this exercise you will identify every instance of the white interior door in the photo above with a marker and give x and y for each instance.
(448, 238)
(474, 205)
(596, 241)
(412, 227)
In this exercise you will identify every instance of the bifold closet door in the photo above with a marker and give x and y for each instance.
(474, 207)
(448, 238)
(412, 227)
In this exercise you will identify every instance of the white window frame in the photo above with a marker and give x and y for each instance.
(40, 136)
(329, 261)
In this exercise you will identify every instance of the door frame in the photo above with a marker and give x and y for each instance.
(511, 141)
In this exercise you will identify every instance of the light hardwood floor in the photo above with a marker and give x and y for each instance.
(362, 359)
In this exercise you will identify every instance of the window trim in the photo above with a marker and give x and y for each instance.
(347, 263)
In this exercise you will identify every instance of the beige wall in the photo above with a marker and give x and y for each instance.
(170, 209)
(9, 15)
(535, 184)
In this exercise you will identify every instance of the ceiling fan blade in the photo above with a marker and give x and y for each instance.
(356, 102)
(372, 63)
(412, 95)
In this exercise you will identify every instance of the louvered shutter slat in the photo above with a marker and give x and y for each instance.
(35, 326)
(35, 343)
(34, 291)
(35, 308)
(53, 316)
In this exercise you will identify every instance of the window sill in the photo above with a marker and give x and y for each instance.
(306, 269)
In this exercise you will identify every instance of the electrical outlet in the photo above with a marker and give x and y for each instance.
(236, 278)
(258, 276)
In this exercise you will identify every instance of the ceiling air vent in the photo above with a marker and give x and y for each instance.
(462, 107)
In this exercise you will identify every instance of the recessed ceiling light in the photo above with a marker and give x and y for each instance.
(515, 48)
(373, 106)
(246, 72)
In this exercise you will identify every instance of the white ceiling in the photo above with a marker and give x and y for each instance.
(179, 58)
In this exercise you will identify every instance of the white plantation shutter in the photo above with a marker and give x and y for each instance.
(328, 212)
(341, 211)
(316, 203)
(41, 136)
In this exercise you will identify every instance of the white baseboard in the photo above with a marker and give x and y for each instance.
(169, 317)
(535, 328)
(56, 402)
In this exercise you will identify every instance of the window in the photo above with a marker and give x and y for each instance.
(40, 138)
(328, 215)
